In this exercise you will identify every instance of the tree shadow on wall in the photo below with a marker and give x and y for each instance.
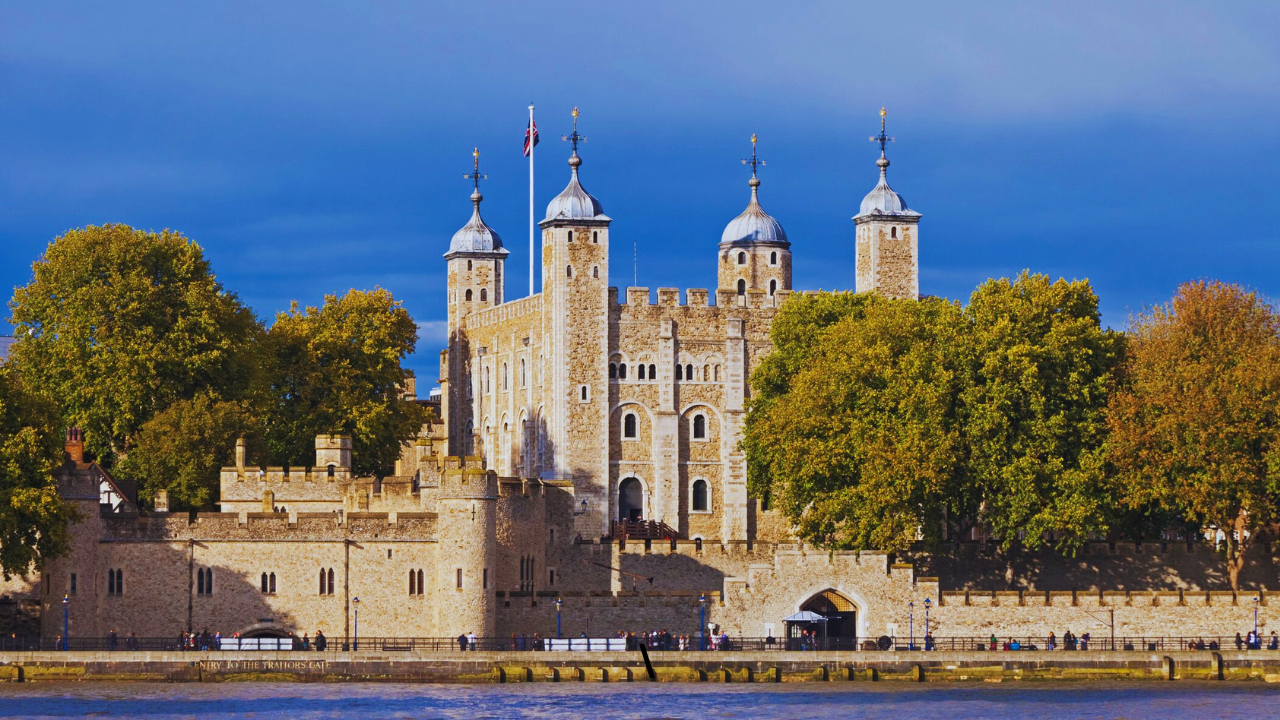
(981, 566)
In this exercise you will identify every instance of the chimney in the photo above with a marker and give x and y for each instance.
(75, 444)
(240, 454)
(162, 500)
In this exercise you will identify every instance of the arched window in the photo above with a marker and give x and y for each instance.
(773, 287)
(264, 583)
(717, 373)
(595, 236)
(569, 235)
(653, 372)
(468, 264)
(120, 582)
(585, 397)
(524, 380)
(700, 427)
(486, 379)
(322, 583)
(421, 587)
(679, 371)
(629, 425)
(613, 371)
(111, 582)
(273, 583)
(640, 371)
(468, 295)
(622, 371)
(330, 581)
(331, 470)
(773, 258)
(595, 271)
(568, 271)
(706, 373)
(413, 583)
(688, 372)
(742, 287)
(701, 496)
(697, 544)
(893, 232)
(504, 376)
(742, 258)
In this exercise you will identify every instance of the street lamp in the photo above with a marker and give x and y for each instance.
(927, 604)
(67, 601)
(702, 621)
(355, 637)
(1255, 622)
(559, 603)
(911, 625)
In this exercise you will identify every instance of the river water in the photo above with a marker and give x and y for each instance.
(642, 701)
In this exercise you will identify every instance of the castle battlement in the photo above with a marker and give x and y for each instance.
(726, 298)
(506, 311)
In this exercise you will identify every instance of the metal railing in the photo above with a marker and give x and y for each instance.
(532, 643)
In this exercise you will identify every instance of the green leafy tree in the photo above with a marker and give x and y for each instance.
(184, 448)
(876, 421)
(119, 323)
(1195, 429)
(34, 517)
(1034, 414)
(861, 447)
(337, 369)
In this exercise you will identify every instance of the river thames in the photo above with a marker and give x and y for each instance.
(351, 701)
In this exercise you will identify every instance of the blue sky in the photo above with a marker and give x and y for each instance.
(313, 147)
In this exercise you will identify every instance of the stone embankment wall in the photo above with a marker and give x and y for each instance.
(728, 667)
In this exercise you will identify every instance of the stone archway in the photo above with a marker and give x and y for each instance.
(630, 499)
(839, 629)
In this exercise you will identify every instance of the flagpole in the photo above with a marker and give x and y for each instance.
(531, 144)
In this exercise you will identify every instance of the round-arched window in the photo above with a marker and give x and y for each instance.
(701, 496)
(629, 425)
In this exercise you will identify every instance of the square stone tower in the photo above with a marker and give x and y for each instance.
(888, 258)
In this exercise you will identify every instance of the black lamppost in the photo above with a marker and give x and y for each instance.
(927, 603)
(355, 636)
(702, 621)
(911, 625)
(67, 625)
(559, 603)
(1255, 623)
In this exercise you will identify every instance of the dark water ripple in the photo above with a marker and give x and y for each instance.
(270, 701)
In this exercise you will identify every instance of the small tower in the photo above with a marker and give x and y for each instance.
(754, 252)
(888, 258)
(465, 530)
(476, 258)
(575, 306)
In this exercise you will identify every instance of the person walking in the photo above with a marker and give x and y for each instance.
(1051, 642)
(462, 642)
(471, 640)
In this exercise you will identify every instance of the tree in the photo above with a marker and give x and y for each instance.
(337, 369)
(855, 434)
(876, 421)
(118, 323)
(1034, 415)
(34, 518)
(184, 448)
(1195, 428)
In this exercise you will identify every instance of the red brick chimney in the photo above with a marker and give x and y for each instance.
(75, 444)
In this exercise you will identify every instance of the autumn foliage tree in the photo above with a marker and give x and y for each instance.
(1196, 428)
(337, 369)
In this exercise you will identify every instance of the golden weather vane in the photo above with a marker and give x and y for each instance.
(575, 138)
(475, 175)
(882, 138)
(753, 161)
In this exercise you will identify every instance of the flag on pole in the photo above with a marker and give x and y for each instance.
(530, 137)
